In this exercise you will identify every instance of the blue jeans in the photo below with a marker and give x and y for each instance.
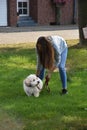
(62, 69)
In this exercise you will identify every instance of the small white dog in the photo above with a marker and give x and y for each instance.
(32, 85)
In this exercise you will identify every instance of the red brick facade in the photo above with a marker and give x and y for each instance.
(33, 5)
(12, 12)
(67, 13)
(42, 11)
(46, 12)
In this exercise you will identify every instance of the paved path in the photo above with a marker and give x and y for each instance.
(9, 35)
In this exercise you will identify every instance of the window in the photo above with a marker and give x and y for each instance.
(22, 8)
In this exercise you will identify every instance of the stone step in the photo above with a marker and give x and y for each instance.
(24, 18)
(26, 21)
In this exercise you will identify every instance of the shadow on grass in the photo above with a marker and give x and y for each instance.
(9, 123)
(69, 123)
(78, 46)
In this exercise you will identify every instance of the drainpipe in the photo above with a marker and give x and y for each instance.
(57, 15)
(74, 11)
(8, 13)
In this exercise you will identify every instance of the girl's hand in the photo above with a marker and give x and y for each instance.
(37, 73)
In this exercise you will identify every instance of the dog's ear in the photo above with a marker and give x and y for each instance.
(27, 82)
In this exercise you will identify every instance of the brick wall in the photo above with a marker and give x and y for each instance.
(46, 12)
(12, 15)
(33, 9)
(67, 13)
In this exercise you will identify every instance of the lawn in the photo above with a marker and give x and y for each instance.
(51, 111)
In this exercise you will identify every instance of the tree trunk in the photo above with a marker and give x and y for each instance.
(82, 19)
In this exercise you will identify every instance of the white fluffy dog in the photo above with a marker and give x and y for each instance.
(32, 85)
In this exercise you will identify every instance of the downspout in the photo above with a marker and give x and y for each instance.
(57, 14)
(8, 15)
(74, 11)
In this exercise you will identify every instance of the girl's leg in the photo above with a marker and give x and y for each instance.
(42, 72)
(62, 69)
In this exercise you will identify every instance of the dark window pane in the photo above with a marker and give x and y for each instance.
(24, 4)
(20, 11)
(24, 11)
(19, 4)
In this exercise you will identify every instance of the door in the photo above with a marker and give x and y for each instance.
(3, 12)
(23, 7)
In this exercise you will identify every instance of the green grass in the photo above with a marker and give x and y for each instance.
(50, 111)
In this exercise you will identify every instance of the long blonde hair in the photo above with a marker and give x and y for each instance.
(45, 52)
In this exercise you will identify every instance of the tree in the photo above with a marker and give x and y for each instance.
(82, 19)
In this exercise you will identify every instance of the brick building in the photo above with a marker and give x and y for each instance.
(41, 12)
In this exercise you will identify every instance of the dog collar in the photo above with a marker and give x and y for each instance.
(38, 88)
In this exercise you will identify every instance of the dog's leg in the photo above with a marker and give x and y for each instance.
(28, 94)
(36, 94)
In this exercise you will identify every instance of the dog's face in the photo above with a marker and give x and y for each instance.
(32, 81)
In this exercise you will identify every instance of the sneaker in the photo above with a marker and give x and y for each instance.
(64, 91)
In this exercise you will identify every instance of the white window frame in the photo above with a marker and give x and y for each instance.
(27, 7)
